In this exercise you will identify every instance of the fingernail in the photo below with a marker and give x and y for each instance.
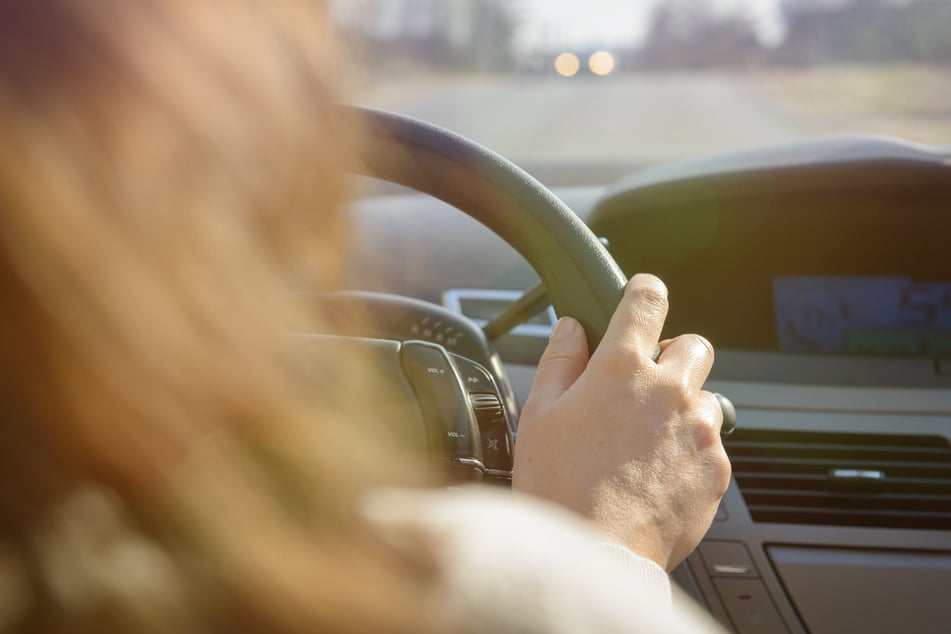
(564, 328)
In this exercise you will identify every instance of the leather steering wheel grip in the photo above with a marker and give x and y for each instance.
(582, 279)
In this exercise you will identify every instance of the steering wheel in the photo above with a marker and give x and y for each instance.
(465, 423)
(582, 279)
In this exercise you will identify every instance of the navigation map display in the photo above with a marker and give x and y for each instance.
(862, 315)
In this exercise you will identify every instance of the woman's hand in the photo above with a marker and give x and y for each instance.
(630, 443)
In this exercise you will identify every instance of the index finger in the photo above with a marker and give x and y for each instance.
(639, 317)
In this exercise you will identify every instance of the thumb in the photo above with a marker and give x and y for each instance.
(564, 360)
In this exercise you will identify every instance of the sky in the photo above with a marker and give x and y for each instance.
(606, 23)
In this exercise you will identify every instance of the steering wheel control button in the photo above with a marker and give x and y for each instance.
(474, 376)
(497, 449)
(451, 425)
(490, 415)
(496, 439)
(727, 559)
(487, 408)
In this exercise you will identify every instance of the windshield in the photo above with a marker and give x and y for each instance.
(606, 85)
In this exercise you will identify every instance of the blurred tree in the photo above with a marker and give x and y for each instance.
(491, 47)
(454, 34)
(866, 31)
(480, 34)
(692, 34)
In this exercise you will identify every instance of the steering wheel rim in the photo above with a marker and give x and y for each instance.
(582, 279)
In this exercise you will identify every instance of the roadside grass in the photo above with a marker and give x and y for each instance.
(909, 101)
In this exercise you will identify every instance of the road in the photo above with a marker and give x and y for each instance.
(631, 119)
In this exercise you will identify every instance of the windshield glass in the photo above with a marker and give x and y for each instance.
(608, 86)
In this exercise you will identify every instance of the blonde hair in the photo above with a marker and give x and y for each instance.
(169, 168)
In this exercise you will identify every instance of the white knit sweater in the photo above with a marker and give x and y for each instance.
(514, 564)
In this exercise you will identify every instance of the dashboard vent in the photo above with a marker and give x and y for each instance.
(891, 481)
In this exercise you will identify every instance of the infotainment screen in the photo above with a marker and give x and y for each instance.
(862, 315)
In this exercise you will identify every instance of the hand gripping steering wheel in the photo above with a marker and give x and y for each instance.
(581, 278)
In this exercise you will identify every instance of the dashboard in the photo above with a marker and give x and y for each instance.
(822, 274)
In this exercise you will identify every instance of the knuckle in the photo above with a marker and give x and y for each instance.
(625, 359)
(712, 418)
(709, 418)
(683, 392)
(723, 470)
(648, 291)
(699, 344)
(652, 300)
(706, 431)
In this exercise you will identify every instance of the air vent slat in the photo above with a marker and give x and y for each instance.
(761, 446)
(931, 515)
(844, 479)
(878, 519)
(820, 482)
(797, 462)
(896, 501)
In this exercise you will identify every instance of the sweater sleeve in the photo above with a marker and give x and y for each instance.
(642, 572)
(510, 563)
